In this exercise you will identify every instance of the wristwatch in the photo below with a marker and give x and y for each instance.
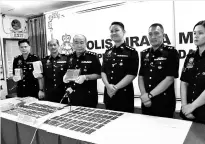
(150, 95)
(41, 90)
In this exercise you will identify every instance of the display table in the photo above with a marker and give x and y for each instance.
(126, 129)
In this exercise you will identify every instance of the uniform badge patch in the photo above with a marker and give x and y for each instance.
(121, 64)
(109, 54)
(146, 57)
(48, 62)
(190, 64)
(159, 67)
(20, 62)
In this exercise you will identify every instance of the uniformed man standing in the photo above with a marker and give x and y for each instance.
(159, 68)
(192, 86)
(27, 85)
(119, 69)
(54, 68)
(84, 88)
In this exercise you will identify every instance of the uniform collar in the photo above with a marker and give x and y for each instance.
(29, 55)
(197, 54)
(57, 57)
(82, 55)
(121, 46)
(159, 50)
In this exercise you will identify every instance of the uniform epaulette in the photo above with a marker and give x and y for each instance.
(109, 48)
(45, 57)
(145, 50)
(17, 56)
(130, 48)
(191, 51)
(92, 53)
(69, 54)
(170, 47)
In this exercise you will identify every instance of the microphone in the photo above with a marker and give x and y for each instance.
(66, 95)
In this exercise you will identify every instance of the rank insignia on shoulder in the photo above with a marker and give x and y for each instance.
(92, 53)
(170, 47)
(130, 48)
(191, 51)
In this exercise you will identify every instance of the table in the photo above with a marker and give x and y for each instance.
(129, 128)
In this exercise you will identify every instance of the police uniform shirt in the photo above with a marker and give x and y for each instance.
(194, 74)
(155, 67)
(53, 72)
(84, 94)
(28, 86)
(117, 63)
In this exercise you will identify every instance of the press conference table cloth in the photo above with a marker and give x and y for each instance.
(129, 128)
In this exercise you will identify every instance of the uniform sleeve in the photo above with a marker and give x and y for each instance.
(133, 63)
(37, 58)
(103, 68)
(96, 66)
(172, 65)
(14, 65)
(141, 71)
(43, 66)
(185, 73)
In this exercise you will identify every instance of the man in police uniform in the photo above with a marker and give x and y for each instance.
(27, 85)
(54, 68)
(119, 69)
(159, 68)
(84, 88)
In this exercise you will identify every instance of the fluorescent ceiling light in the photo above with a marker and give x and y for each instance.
(21, 4)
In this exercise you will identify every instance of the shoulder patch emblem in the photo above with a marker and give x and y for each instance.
(190, 63)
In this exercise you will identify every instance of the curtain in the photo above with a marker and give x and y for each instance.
(37, 35)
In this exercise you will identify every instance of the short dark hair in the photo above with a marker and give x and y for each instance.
(51, 40)
(80, 35)
(202, 23)
(23, 41)
(157, 24)
(118, 23)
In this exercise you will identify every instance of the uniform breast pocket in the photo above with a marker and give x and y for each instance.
(121, 63)
(85, 68)
(160, 64)
(61, 66)
(202, 76)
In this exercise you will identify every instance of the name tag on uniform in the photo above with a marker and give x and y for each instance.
(122, 55)
(160, 58)
(86, 61)
(61, 61)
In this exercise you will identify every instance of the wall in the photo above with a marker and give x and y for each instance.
(7, 32)
(93, 20)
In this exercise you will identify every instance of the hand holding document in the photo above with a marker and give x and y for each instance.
(18, 74)
(38, 69)
(71, 75)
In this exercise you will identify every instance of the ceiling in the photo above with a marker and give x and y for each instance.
(32, 8)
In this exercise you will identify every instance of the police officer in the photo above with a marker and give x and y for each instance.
(54, 68)
(192, 86)
(159, 67)
(84, 88)
(27, 85)
(119, 69)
